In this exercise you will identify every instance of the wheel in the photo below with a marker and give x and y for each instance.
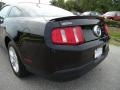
(15, 61)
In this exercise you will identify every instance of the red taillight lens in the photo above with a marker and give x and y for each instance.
(67, 36)
(106, 29)
(56, 36)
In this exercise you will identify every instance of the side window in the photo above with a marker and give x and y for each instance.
(118, 14)
(4, 11)
(15, 12)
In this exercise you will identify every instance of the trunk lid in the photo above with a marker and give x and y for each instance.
(88, 24)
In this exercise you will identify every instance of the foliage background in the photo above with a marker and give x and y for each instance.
(88, 5)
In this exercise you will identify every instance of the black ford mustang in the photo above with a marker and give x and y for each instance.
(51, 41)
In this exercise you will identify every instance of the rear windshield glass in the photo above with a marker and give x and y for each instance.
(46, 11)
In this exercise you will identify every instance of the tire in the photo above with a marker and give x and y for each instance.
(15, 61)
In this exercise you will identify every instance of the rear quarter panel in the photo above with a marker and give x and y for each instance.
(27, 33)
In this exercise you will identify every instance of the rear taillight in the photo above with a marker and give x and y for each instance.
(67, 36)
(106, 29)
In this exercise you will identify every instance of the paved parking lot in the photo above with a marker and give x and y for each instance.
(106, 76)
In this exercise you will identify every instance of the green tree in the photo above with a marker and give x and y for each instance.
(88, 5)
(54, 2)
(59, 3)
(70, 5)
(1, 4)
(116, 5)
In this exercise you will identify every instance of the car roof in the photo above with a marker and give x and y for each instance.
(91, 11)
(113, 11)
(24, 4)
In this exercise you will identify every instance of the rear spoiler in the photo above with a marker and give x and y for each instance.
(77, 17)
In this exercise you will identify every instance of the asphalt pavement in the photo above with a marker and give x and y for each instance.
(105, 76)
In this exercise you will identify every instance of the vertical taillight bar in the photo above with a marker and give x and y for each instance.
(67, 36)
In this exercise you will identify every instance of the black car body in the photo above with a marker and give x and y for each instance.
(40, 52)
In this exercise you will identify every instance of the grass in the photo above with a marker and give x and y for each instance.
(115, 35)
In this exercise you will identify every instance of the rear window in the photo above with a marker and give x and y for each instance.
(118, 14)
(46, 11)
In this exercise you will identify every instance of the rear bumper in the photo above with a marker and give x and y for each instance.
(64, 63)
(78, 71)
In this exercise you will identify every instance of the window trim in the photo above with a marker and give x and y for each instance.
(8, 10)
(22, 15)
